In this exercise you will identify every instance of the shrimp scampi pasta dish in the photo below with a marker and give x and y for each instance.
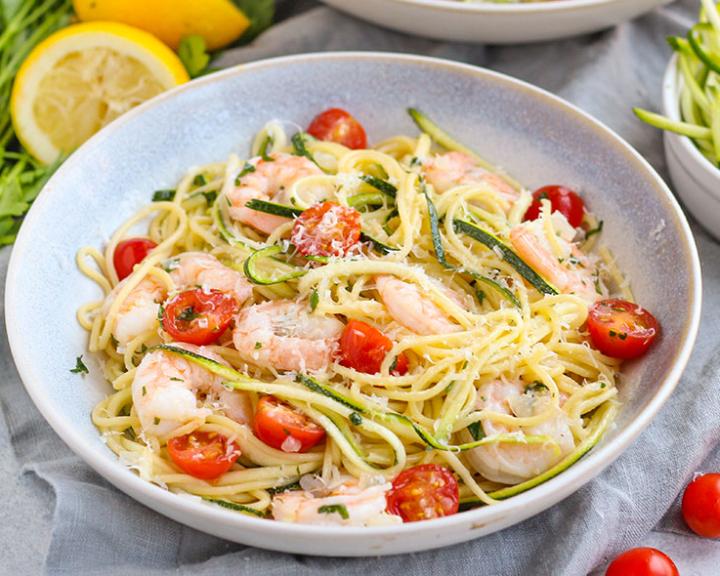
(335, 334)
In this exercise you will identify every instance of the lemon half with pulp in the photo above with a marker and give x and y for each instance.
(83, 77)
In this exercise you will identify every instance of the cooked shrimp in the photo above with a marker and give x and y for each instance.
(284, 335)
(138, 312)
(446, 171)
(512, 463)
(411, 309)
(570, 275)
(270, 181)
(204, 270)
(363, 506)
(169, 391)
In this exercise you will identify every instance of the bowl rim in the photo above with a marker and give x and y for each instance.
(551, 7)
(519, 507)
(671, 108)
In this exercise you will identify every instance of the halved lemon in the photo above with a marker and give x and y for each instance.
(218, 21)
(83, 77)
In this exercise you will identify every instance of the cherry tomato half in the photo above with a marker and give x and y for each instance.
(285, 428)
(562, 199)
(642, 562)
(205, 455)
(198, 316)
(621, 329)
(337, 125)
(326, 229)
(364, 348)
(424, 492)
(130, 252)
(701, 505)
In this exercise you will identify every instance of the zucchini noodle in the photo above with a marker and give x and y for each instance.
(448, 246)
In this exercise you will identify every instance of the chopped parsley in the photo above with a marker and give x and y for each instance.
(247, 169)
(258, 345)
(188, 314)
(476, 430)
(335, 509)
(144, 391)
(210, 197)
(314, 300)
(199, 180)
(163, 195)
(156, 421)
(536, 386)
(174, 379)
(80, 367)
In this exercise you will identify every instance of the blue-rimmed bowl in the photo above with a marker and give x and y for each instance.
(535, 136)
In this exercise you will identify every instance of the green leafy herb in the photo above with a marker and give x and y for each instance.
(80, 367)
(355, 418)
(258, 345)
(161, 312)
(199, 180)
(194, 56)
(156, 421)
(335, 509)
(314, 300)
(260, 13)
(174, 379)
(210, 197)
(163, 195)
(247, 169)
(188, 314)
(536, 386)
(476, 431)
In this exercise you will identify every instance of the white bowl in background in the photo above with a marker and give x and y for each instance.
(486, 22)
(696, 179)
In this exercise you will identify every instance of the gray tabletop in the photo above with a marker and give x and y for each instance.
(59, 517)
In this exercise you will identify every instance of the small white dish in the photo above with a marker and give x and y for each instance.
(696, 179)
(487, 22)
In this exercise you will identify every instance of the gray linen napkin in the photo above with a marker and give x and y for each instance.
(60, 517)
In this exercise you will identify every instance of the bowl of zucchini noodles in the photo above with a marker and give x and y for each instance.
(275, 321)
(496, 21)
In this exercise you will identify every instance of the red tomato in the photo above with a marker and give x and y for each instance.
(337, 125)
(326, 229)
(562, 199)
(364, 348)
(701, 505)
(285, 428)
(205, 455)
(642, 562)
(130, 252)
(424, 492)
(198, 316)
(621, 329)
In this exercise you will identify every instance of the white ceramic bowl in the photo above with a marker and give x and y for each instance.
(534, 135)
(495, 23)
(696, 179)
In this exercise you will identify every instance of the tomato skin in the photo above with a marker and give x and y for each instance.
(275, 421)
(621, 329)
(199, 316)
(562, 199)
(130, 252)
(701, 505)
(204, 455)
(338, 125)
(424, 492)
(363, 348)
(642, 562)
(326, 229)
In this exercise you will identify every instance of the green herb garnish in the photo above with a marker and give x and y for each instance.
(163, 195)
(192, 52)
(80, 367)
(314, 300)
(335, 509)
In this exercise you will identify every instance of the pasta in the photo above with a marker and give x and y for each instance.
(486, 370)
